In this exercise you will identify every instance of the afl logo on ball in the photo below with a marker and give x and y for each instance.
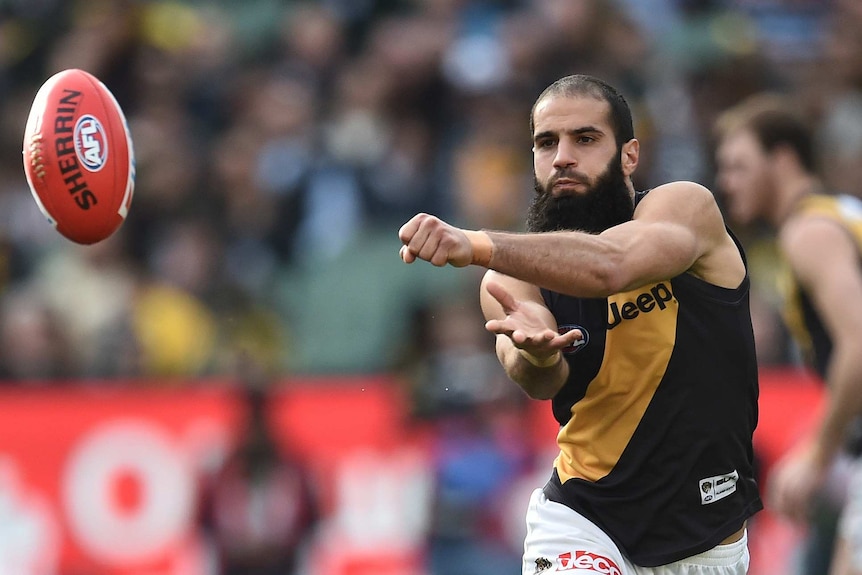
(91, 143)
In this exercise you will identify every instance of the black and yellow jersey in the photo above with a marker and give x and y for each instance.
(657, 416)
(802, 319)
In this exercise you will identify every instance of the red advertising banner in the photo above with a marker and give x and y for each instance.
(105, 479)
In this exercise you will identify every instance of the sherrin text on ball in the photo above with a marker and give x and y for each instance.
(78, 156)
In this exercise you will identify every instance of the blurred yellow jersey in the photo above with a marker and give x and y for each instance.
(802, 319)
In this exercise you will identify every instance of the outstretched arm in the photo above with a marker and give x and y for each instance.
(676, 228)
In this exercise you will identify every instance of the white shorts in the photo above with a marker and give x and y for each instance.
(850, 526)
(560, 539)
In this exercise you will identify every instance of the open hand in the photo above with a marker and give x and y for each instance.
(527, 324)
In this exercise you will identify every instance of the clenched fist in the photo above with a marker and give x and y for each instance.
(429, 238)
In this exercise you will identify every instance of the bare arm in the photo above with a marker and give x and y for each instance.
(676, 228)
(825, 260)
(528, 345)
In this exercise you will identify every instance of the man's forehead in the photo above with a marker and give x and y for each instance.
(739, 139)
(558, 111)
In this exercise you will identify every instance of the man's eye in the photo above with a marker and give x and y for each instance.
(586, 139)
(544, 143)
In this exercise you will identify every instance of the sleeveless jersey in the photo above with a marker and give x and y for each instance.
(801, 318)
(657, 416)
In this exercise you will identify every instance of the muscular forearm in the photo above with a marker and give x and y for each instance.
(578, 264)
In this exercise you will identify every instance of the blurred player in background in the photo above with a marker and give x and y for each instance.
(259, 508)
(630, 312)
(767, 172)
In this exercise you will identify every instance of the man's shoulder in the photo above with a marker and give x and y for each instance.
(837, 206)
(676, 191)
(819, 230)
(681, 187)
(681, 197)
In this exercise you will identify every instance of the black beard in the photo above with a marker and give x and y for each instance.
(607, 203)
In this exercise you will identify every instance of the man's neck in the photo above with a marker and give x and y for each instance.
(791, 193)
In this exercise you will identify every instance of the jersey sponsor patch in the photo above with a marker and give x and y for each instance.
(718, 487)
(626, 306)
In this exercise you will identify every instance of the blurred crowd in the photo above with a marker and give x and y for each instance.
(280, 145)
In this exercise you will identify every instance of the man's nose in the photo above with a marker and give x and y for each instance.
(565, 155)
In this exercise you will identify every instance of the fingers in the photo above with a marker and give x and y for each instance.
(792, 487)
(499, 293)
(408, 230)
(407, 256)
(407, 234)
(509, 326)
(534, 339)
(420, 241)
(569, 338)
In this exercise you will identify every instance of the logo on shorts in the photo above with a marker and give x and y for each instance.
(718, 487)
(542, 564)
(589, 562)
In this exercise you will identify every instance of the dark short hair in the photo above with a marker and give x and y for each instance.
(774, 122)
(584, 85)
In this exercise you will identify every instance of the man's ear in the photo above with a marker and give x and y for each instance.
(784, 157)
(629, 156)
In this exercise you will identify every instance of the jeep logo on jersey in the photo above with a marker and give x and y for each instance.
(655, 298)
(578, 345)
(91, 143)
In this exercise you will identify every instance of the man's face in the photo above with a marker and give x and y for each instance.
(743, 177)
(579, 178)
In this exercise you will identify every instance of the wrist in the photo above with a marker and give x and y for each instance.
(541, 361)
(482, 247)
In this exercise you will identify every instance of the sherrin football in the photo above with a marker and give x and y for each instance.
(78, 157)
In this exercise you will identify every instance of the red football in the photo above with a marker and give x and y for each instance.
(78, 156)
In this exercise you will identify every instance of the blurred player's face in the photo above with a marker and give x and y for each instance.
(743, 177)
(580, 179)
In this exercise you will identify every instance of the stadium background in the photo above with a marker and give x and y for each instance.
(279, 146)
